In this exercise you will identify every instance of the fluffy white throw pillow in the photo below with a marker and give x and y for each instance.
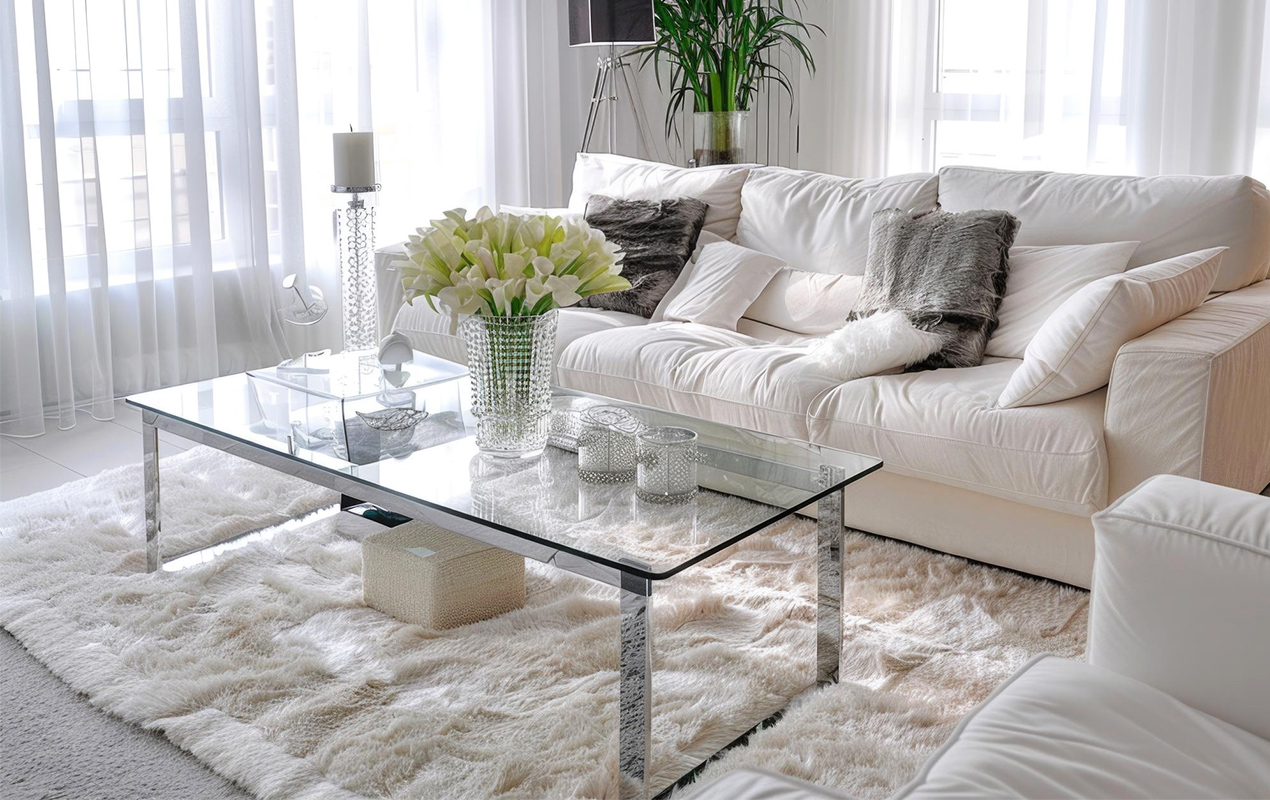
(1073, 352)
(874, 344)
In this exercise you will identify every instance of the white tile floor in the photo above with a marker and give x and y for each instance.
(44, 462)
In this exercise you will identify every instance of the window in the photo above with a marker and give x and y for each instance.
(1028, 84)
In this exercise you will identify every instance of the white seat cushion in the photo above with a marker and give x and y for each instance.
(1061, 728)
(429, 331)
(700, 371)
(1169, 214)
(941, 425)
(821, 222)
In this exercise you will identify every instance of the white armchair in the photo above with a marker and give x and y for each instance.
(1175, 700)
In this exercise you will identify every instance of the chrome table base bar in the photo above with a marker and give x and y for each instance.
(829, 531)
(636, 663)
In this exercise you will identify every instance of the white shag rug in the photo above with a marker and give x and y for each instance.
(265, 664)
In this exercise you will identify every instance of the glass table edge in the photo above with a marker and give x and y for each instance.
(590, 557)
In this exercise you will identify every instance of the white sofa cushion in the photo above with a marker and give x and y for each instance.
(772, 334)
(1075, 350)
(821, 222)
(1062, 729)
(941, 425)
(429, 332)
(1170, 215)
(618, 176)
(719, 285)
(1041, 279)
(810, 303)
(1182, 597)
(700, 371)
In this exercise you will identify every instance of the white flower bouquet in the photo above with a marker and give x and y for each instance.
(505, 265)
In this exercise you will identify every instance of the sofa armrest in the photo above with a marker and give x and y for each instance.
(389, 295)
(1192, 397)
(1181, 596)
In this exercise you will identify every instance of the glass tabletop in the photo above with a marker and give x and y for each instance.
(357, 375)
(748, 480)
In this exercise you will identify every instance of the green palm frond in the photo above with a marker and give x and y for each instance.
(717, 51)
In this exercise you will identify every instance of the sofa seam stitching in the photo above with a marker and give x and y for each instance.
(961, 483)
(1065, 454)
(1176, 527)
(801, 415)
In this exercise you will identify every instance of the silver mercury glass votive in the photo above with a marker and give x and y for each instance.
(606, 446)
(667, 459)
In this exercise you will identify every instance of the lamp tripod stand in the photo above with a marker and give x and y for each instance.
(610, 69)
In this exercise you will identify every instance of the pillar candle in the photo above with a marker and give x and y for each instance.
(354, 159)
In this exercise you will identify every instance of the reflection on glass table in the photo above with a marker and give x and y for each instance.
(353, 408)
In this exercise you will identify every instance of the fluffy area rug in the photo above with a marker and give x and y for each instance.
(265, 664)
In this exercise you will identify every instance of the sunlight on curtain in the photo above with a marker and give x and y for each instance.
(166, 163)
(1142, 87)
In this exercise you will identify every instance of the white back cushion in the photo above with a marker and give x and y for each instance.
(1041, 279)
(630, 178)
(1170, 215)
(821, 222)
(1073, 352)
(808, 303)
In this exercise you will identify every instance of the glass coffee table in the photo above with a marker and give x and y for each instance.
(536, 508)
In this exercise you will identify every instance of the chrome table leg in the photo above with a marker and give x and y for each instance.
(829, 530)
(635, 688)
(150, 469)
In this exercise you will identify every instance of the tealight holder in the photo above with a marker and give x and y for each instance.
(606, 445)
(565, 425)
(667, 459)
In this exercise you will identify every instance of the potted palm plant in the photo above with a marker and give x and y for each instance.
(719, 52)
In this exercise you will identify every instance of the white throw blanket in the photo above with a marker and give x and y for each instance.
(873, 345)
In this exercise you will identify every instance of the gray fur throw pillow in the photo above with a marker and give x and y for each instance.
(658, 237)
(947, 271)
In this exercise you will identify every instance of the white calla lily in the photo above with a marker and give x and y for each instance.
(508, 265)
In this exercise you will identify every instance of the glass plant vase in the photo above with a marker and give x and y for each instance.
(509, 360)
(719, 137)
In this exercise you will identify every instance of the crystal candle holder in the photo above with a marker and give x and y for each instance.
(606, 446)
(667, 465)
(566, 421)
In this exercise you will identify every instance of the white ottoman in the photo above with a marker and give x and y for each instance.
(429, 576)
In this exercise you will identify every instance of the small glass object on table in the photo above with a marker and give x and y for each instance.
(606, 446)
(667, 458)
(351, 406)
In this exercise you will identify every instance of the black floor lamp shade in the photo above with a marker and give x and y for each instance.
(610, 22)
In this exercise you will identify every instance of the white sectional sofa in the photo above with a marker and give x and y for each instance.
(1013, 487)
(1173, 701)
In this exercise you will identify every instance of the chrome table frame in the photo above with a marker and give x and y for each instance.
(636, 590)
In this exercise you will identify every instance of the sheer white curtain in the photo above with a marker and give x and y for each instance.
(1117, 86)
(166, 162)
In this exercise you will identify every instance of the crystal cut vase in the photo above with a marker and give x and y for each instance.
(510, 359)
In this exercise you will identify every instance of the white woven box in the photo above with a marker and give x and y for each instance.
(429, 576)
